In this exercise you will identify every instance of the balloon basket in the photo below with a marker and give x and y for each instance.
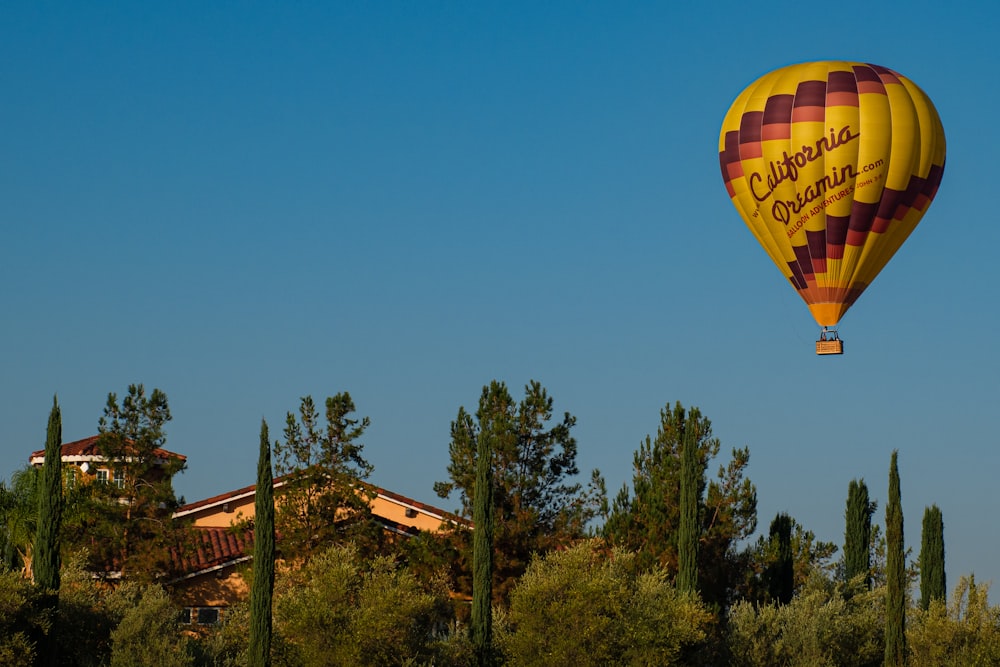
(829, 343)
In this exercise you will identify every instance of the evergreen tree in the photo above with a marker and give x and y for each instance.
(692, 475)
(50, 504)
(324, 499)
(932, 577)
(537, 505)
(482, 556)
(647, 520)
(895, 613)
(263, 557)
(50, 507)
(780, 573)
(131, 527)
(858, 532)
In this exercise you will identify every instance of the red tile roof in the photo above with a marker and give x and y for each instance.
(213, 547)
(88, 447)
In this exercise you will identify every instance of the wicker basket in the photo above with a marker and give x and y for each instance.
(835, 346)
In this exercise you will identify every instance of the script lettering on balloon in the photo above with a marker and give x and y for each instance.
(787, 168)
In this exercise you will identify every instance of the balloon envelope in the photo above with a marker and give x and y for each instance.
(831, 165)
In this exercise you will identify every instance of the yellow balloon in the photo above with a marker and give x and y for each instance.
(831, 165)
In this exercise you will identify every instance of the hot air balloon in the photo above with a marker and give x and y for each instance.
(831, 165)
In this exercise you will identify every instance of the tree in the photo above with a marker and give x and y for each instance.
(895, 616)
(262, 588)
(341, 609)
(585, 606)
(537, 505)
(932, 575)
(481, 630)
(858, 532)
(323, 499)
(50, 502)
(647, 519)
(139, 501)
(780, 574)
(19, 513)
(687, 533)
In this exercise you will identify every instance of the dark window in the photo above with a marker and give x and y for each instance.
(208, 615)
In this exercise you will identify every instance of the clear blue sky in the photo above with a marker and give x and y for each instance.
(245, 203)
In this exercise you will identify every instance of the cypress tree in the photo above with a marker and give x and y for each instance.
(50, 501)
(263, 557)
(687, 528)
(780, 574)
(895, 612)
(858, 532)
(481, 629)
(932, 577)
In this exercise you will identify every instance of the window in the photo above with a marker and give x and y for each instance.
(119, 479)
(69, 478)
(102, 476)
(208, 615)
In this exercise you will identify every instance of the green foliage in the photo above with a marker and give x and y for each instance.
(129, 525)
(538, 506)
(341, 610)
(810, 560)
(481, 631)
(965, 632)
(24, 621)
(692, 481)
(50, 502)
(262, 588)
(779, 575)
(818, 628)
(932, 574)
(148, 634)
(895, 616)
(858, 532)
(647, 519)
(19, 519)
(585, 607)
(323, 499)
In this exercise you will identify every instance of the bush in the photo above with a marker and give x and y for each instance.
(818, 627)
(963, 633)
(584, 607)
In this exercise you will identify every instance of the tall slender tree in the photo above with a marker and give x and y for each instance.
(692, 475)
(50, 507)
(482, 547)
(262, 590)
(858, 532)
(780, 573)
(932, 577)
(895, 612)
(50, 503)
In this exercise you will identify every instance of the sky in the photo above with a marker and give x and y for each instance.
(246, 203)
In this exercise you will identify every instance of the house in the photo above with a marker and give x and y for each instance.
(213, 579)
(82, 463)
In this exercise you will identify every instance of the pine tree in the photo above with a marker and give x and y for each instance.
(687, 528)
(263, 557)
(932, 576)
(50, 502)
(858, 532)
(482, 553)
(895, 613)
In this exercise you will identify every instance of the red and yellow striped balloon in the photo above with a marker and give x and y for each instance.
(831, 165)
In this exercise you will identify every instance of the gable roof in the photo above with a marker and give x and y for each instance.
(86, 450)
